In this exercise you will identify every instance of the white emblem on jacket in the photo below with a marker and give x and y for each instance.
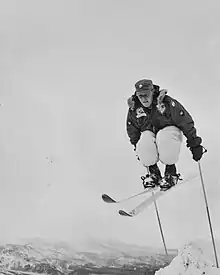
(140, 112)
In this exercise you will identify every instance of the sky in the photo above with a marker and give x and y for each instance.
(66, 71)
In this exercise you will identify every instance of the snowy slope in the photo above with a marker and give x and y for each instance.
(196, 257)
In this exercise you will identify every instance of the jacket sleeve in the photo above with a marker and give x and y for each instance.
(183, 120)
(133, 130)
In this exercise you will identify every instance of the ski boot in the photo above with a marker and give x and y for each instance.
(169, 181)
(170, 178)
(153, 179)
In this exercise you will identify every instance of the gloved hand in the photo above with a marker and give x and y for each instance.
(197, 152)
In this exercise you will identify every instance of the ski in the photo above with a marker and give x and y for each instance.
(143, 205)
(108, 199)
(147, 202)
(124, 213)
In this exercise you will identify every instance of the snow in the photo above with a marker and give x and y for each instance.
(194, 258)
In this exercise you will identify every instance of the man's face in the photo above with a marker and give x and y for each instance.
(145, 97)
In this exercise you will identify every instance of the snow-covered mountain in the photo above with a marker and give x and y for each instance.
(38, 255)
(58, 258)
(196, 257)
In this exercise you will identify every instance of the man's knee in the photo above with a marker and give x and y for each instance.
(169, 158)
(146, 149)
(169, 142)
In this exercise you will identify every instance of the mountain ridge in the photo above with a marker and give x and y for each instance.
(40, 255)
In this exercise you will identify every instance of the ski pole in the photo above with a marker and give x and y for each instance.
(159, 222)
(160, 225)
(208, 214)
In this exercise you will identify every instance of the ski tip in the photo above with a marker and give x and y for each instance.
(106, 198)
(124, 213)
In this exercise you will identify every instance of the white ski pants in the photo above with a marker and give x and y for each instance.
(165, 146)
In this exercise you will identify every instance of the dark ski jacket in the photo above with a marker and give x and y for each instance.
(164, 111)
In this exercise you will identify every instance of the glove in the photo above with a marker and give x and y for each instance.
(197, 152)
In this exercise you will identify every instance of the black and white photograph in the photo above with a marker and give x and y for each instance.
(109, 137)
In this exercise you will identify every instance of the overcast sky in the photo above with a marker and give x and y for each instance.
(66, 71)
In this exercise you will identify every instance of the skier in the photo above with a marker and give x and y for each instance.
(156, 124)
